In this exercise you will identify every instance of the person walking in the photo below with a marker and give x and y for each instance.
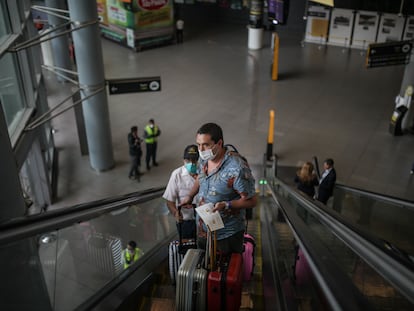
(135, 153)
(151, 133)
(181, 182)
(327, 181)
(180, 30)
(306, 179)
(225, 180)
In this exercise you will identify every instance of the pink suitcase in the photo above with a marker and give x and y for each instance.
(248, 256)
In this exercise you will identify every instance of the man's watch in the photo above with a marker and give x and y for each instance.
(228, 205)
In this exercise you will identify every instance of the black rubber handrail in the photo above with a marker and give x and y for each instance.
(378, 196)
(340, 292)
(30, 226)
(397, 269)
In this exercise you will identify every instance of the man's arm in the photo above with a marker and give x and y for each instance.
(174, 210)
(193, 192)
(242, 203)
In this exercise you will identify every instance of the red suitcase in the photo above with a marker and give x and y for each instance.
(224, 285)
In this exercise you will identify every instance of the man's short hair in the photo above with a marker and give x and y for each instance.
(134, 129)
(329, 161)
(213, 130)
(133, 244)
(151, 121)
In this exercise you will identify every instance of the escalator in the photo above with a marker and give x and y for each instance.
(308, 257)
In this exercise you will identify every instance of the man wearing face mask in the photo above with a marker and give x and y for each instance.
(224, 179)
(179, 186)
(151, 133)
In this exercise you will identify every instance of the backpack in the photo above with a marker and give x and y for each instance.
(249, 211)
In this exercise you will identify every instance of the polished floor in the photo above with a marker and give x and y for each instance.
(326, 104)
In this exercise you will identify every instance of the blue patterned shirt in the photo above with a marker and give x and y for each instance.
(232, 178)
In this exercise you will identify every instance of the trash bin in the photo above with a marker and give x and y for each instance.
(396, 120)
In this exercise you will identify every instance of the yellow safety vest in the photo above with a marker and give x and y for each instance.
(128, 260)
(151, 132)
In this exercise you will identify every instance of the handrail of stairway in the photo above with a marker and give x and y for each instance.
(384, 198)
(50, 221)
(397, 270)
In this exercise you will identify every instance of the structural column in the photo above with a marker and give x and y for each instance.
(60, 45)
(92, 78)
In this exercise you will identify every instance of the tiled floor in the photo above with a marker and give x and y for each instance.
(326, 104)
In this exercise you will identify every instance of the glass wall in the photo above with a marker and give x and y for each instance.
(11, 94)
(22, 90)
(3, 26)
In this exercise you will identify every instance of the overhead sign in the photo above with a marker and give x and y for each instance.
(134, 85)
(325, 2)
(388, 54)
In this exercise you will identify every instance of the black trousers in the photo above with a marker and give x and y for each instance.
(135, 163)
(151, 153)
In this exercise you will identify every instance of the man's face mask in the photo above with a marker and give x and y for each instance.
(191, 167)
(207, 154)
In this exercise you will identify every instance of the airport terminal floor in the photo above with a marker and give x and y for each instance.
(326, 105)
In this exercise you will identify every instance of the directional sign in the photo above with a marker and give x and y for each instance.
(388, 54)
(133, 85)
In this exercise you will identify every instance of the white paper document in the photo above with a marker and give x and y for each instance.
(212, 220)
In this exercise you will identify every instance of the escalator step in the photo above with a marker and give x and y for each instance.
(162, 304)
(165, 291)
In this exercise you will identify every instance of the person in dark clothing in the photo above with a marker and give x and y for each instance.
(135, 153)
(306, 179)
(327, 181)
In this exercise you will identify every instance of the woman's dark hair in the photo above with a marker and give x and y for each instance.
(213, 130)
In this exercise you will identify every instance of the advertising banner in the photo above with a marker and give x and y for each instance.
(140, 14)
(340, 30)
(391, 28)
(317, 24)
(365, 30)
(409, 28)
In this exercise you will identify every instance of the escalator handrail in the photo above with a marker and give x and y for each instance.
(340, 292)
(56, 220)
(19, 221)
(384, 198)
(391, 268)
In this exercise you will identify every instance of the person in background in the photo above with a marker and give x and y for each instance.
(181, 182)
(225, 180)
(180, 30)
(327, 181)
(306, 179)
(135, 153)
(151, 133)
(131, 254)
(38, 23)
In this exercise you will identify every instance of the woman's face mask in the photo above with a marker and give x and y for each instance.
(191, 167)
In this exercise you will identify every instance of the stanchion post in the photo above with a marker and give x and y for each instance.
(269, 152)
(275, 65)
